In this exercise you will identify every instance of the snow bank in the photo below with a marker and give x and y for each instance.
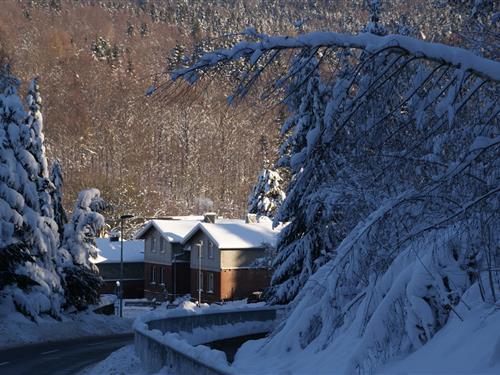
(471, 346)
(16, 329)
(187, 308)
(122, 361)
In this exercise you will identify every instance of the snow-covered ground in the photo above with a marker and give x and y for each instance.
(123, 361)
(471, 346)
(16, 329)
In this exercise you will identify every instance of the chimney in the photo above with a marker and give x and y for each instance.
(251, 218)
(210, 217)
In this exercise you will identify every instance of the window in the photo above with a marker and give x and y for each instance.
(162, 275)
(210, 282)
(153, 275)
(210, 249)
(153, 244)
(162, 244)
(200, 281)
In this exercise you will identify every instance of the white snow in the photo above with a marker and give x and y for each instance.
(471, 346)
(173, 230)
(122, 361)
(237, 235)
(16, 329)
(454, 56)
(109, 251)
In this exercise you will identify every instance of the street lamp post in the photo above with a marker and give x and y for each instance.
(122, 219)
(200, 249)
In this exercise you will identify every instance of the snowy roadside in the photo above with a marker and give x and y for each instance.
(122, 361)
(125, 361)
(16, 329)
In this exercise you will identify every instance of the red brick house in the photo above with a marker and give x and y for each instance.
(166, 264)
(226, 258)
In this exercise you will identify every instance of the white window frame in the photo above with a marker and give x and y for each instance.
(153, 275)
(162, 244)
(153, 244)
(210, 250)
(210, 282)
(162, 275)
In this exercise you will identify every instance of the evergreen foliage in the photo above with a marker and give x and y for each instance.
(57, 196)
(82, 280)
(393, 207)
(30, 259)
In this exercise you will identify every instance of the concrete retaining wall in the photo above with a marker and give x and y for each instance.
(156, 353)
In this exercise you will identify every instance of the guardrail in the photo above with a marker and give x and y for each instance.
(169, 341)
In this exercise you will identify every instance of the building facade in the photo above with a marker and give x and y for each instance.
(226, 259)
(109, 265)
(166, 264)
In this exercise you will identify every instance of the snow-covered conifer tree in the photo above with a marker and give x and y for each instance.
(82, 280)
(29, 254)
(267, 194)
(57, 207)
(400, 183)
(34, 122)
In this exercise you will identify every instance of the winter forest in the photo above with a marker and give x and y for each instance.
(369, 130)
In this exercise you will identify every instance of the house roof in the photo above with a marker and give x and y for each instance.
(173, 230)
(109, 251)
(237, 234)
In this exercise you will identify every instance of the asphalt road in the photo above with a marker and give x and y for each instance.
(60, 357)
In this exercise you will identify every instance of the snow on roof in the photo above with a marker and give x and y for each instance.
(236, 234)
(172, 230)
(109, 251)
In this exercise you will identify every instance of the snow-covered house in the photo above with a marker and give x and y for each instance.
(108, 263)
(166, 264)
(228, 258)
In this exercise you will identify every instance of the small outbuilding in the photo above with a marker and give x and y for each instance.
(108, 263)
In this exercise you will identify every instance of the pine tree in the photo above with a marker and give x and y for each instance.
(34, 122)
(267, 195)
(29, 254)
(57, 206)
(397, 192)
(82, 280)
(301, 249)
(304, 99)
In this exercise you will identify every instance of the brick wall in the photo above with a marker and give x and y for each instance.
(205, 296)
(239, 283)
(230, 284)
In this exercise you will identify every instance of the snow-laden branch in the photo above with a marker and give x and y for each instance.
(444, 54)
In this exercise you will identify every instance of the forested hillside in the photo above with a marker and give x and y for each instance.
(96, 59)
